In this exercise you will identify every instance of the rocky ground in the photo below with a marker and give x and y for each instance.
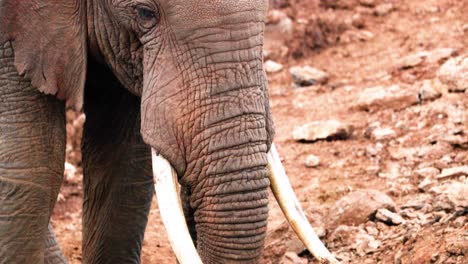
(370, 101)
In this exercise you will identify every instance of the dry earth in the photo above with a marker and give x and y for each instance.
(376, 147)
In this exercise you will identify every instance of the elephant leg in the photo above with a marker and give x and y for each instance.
(32, 157)
(53, 254)
(118, 182)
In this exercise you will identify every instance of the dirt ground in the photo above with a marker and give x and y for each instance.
(405, 138)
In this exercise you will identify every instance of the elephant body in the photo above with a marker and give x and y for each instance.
(183, 77)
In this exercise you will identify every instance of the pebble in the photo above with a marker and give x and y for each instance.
(320, 130)
(306, 76)
(381, 134)
(427, 172)
(357, 207)
(292, 258)
(383, 9)
(437, 55)
(312, 161)
(411, 61)
(388, 217)
(453, 172)
(428, 92)
(392, 97)
(273, 67)
(369, 3)
(454, 74)
(425, 185)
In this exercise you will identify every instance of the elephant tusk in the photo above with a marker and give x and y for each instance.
(288, 202)
(172, 215)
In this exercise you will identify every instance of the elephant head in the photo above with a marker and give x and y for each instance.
(197, 66)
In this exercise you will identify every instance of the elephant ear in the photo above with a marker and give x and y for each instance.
(49, 42)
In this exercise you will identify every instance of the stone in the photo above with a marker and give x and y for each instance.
(381, 134)
(383, 9)
(427, 172)
(453, 172)
(273, 67)
(454, 74)
(343, 4)
(454, 193)
(292, 258)
(358, 207)
(373, 151)
(295, 245)
(411, 61)
(279, 22)
(312, 161)
(458, 141)
(428, 92)
(394, 97)
(388, 217)
(306, 76)
(457, 246)
(358, 21)
(365, 244)
(369, 3)
(437, 55)
(321, 130)
(425, 184)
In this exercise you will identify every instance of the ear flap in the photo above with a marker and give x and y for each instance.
(49, 41)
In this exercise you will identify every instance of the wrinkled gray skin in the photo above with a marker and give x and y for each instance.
(182, 76)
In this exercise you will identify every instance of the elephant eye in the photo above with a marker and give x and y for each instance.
(145, 13)
(147, 17)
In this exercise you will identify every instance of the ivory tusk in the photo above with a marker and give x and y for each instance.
(172, 215)
(288, 202)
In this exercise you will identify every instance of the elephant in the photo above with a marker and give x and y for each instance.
(175, 96)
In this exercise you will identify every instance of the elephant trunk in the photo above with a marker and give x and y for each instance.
(231, 205)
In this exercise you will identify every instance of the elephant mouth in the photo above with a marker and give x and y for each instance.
(170, 206)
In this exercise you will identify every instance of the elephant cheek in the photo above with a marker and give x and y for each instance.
(160, 114)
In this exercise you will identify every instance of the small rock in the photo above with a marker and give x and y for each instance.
(411, 61)
(371, 229)
(381, 134)
(292, 258)
(425, 185)
(417, 203)
(344, 4)
(365, 244)
(358, 21)
(357, 207)
(295, 245)
(427, 172)
(459, 141)
(306, 76)
(457, 246)
(453, 172)
(388, 217)
(320, 130)
(428, 92)
(273, 67)
(453, 193)
(312, 161)
(369, 3)
(460, 222)
(70, 172)
(437, 55)
(383, 9)
(394, 97)
(454, 74)
(373, 151)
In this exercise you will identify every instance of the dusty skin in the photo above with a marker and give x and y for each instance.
(361, 45)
